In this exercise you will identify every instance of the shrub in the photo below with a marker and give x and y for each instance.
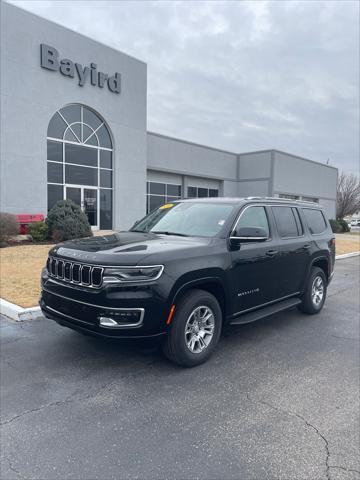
(8, 226)
(66, 221)
(339, 226)
(336, 227)
(38, 231)
(344, 225)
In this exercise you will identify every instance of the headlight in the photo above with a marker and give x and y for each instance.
(132, 274)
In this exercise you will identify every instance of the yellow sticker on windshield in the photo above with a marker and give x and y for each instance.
(167, 205)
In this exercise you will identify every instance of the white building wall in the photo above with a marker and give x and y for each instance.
(299, 176)
(255, 188)
(230, 189)
(173, 155)
(164, 177)
(255, 165)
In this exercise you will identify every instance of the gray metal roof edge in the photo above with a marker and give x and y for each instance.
(304, 158)
(269, 150)
(275, 150)
(188, 142)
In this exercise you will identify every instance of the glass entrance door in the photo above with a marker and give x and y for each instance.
(90, 206)
(87, 199)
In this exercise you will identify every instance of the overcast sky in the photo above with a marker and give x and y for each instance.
(239, 75)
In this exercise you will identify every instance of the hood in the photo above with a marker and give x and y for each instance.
(126, 248)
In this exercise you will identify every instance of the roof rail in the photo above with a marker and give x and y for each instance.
(279, 199)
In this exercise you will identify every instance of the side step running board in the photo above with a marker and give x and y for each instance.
(266, 311)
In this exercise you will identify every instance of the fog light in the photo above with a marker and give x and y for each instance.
(107, 322)
(122, 318)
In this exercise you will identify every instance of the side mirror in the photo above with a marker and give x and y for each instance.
(248, 234)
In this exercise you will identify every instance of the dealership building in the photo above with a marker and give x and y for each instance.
(74, 125)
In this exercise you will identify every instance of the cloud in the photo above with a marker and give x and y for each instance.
(239, 75)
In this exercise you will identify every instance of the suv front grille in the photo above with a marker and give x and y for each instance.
(85, 275)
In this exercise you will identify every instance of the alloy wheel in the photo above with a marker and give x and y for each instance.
(317, 290)
(199, 329)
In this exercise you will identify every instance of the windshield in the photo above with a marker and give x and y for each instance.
(186, 219)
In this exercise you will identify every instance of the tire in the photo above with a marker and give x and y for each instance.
(191, 340)
(313, 300)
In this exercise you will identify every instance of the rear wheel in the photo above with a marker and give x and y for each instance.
(195, 329)
(315, 294)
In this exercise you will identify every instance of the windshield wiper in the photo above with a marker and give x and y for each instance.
(169, 233)
(139, 231)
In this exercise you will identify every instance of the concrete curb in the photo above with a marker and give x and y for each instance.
(347, 255)
(19, 314)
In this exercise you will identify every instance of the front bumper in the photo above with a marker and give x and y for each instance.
(131, 312)
(74, 324)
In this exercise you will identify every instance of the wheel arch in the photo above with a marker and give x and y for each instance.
(212, 285)
(321, 262)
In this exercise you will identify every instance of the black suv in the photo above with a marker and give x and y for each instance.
(190, 268)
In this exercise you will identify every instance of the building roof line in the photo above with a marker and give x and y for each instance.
(268, 150)
(289, 155)
(188, 142)
(304, 158)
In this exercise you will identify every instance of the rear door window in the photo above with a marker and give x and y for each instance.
(315, 220)
(287, 224)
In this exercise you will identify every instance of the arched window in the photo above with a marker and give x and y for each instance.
(80, 163)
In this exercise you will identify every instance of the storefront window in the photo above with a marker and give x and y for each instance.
(159, 193)
(80, 155)
(200, 192)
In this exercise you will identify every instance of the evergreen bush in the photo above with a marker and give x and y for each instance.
(67, 221)
(38, 231)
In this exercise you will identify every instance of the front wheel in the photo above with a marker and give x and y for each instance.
(195, 329)
(315, 294)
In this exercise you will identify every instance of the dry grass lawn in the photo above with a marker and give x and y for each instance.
(347, 243)
(20, 268)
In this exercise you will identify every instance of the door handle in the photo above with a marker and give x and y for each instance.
(271, 253)
(307, 246)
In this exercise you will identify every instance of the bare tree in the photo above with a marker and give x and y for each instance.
(348, 195)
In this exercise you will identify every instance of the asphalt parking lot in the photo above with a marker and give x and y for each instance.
(278, 400)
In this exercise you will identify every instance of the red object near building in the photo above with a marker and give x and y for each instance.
(25, 219)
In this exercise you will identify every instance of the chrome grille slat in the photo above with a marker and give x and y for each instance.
(84, 275)
(96, 276)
